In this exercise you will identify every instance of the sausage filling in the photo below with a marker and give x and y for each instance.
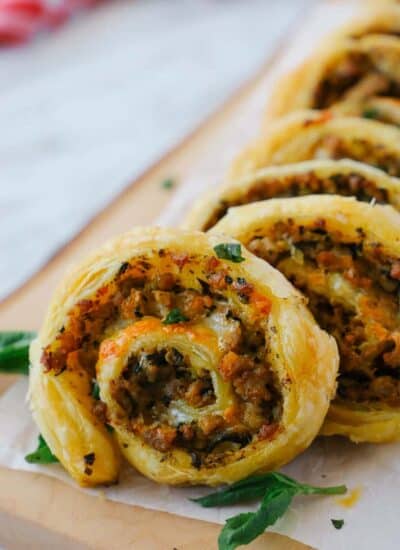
(375, 154)
(376, 28)
(353, 291)
(154, 381)
(304, 184)
(354, 77)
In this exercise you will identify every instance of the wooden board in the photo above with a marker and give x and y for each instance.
(37, 511)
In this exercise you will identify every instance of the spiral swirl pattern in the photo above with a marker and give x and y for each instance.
(184, 353)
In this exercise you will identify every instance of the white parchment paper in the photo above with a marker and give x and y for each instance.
(372, 473)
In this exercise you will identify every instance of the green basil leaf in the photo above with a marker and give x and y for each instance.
(305, 489)
(227, 497)
(276, 490)
(14, 351)
(229, 251)
(232, 525)
(42, 455)
(244, 528)
(245, 490)
(174, 316)
(256, 486)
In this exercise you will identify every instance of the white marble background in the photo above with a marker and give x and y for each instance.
(84, 111)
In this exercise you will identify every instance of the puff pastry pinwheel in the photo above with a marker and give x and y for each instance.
(306, 135)
(354, 77)
(344, 255)
(209, 366)
(340, 177)
(382, 19)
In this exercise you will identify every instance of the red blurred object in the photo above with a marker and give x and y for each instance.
(20, 20)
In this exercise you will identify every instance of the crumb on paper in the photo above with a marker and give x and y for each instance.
(351, 498)
(168, 183)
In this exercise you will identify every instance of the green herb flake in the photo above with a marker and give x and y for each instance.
(174, 316)
(229, 251)
(95, 390)
(337, 523)
(244, 528)
(371, 113)
(42, 455)
(276, 491)
(168, 183)
(14, 351)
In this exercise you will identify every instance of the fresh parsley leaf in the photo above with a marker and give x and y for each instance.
(255, 487)
(168, 183)
(244, 528)
(95, 390)
(304, 489)
(370, 113)
(229, 251)
(174, 316)
(246, 490)
(14, 351)
(42, 455)
(337, 523)
(276, 491)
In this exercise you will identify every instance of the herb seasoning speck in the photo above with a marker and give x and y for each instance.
(229, 251)
(168, 183)
(370, 113)
(337, 523)
(174, 316)
(89, 458)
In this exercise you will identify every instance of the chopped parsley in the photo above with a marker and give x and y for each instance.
(174, 316)
(337, 523)
(168, 183)
(229, 251)
(371, 113)
(42, 455)
(95, 390)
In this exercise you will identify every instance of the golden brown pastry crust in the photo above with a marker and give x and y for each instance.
(342, 77)
(351, 220)
(382, 19)
(384, 109)
(306, 135)
(303, 360)
(343, 177)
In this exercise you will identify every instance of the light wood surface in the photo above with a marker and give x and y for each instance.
(40, 512)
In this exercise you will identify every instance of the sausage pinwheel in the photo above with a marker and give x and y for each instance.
(307, 135)
(342, 177)
(383, 19)
(191, 356)
(352, 76)
(344, 255)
